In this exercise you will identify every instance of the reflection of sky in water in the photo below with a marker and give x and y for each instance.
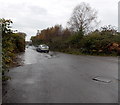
(31, 56)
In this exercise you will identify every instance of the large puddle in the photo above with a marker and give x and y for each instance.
(31, 56)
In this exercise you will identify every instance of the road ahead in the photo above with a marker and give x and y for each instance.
(63, 78)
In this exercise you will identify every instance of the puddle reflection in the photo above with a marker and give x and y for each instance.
(31, 56)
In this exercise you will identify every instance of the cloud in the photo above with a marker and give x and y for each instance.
(37, 10)
(30, 15)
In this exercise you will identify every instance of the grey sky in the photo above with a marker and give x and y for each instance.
(30, 15)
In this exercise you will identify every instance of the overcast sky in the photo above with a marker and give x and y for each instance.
(31, 15)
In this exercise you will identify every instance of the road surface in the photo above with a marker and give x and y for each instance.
(63, 78)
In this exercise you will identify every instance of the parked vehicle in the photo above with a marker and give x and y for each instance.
(43, 48)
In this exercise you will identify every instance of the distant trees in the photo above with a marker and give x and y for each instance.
(54, 36)
(82, 18)
(79, 37)
(109, 30)
(100, 41)
(103, 41)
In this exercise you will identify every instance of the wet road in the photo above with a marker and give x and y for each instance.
(63, 78)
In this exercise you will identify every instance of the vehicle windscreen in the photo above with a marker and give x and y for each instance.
(44, 46)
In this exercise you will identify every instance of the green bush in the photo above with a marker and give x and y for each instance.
(12, 43)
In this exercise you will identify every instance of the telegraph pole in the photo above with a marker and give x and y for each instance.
(119, 16)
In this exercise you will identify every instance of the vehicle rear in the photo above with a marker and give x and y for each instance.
(43, 48)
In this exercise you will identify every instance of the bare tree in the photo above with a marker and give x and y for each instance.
(83, 18)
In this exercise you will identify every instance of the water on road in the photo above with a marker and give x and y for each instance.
(63, 78)
(31, 56)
